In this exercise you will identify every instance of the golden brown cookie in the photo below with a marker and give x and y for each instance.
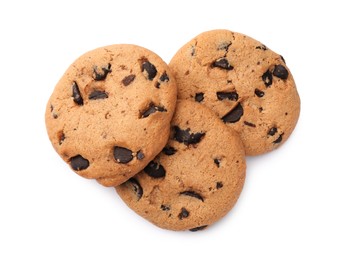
(246, 84)
(196, 179)
(110, 113)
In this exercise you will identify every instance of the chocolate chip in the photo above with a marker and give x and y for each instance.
(98, 94)
(249, 124)
(155, 170)
(199, 97)
(152, 109)
(149, 68)
(169, 150)
(224, 46)
(184, 136)
(272, 131)
(267, 78)
(51, 108)
(61, 136)
(227, 95)
(259, 93)
(198, 228)
(79, 163)
(55, 116)
(128, 79)
(101, 76)
(165, 207)
(77, 98)
(262, 47)
(122, 155)
(279, 139)
(219, 185)
(140, 155)
(222, 63)
(217, 162)
(283, 59)
(280, 72)
(157, 84)
(192, 194)
(193, 50)
(183, 214)
(164, 77)
(234, 115)
(135, 186)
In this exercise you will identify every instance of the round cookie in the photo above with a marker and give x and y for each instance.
(247, 85)
(109, 115)
(196, 179)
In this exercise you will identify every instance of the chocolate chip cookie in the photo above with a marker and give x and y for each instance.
(196, 179)
(245, 83)
(110, 113)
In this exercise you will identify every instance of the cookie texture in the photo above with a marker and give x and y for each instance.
(196, 179)
(246, 84)
(109, 115)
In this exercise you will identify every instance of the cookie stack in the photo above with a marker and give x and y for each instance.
(172, 138)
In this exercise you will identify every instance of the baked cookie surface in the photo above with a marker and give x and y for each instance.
(196, 179)
(109, 114)
(247, 85)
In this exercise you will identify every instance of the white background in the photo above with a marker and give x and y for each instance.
(292, 206)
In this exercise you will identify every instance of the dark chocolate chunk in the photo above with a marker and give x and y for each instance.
(259, 93)
(272, 131)
(279, 139)
(77, 98)
(198, 228)
(283, 59)
(217, 162)
(249, 124)
(155, 170)
(122, 155)
(267, 78)
(227, 95)
(184, 136)
(140, 155)
(152, 109)
(135, 186)
(183, 214)
(128, 79)
(262, 47)
(280, 72)
(219, 185)
(169, 150)
(149, 68)
(199, 97)
(79, 163)
(101, 76)
(98, 94)
(222, 63)
(234, 115)
(192, 194)
(157, 84)
(165, 207)
(164, 77)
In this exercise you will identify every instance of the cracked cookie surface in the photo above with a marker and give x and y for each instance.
(196, 179)
(246, 84)
(109, 114)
